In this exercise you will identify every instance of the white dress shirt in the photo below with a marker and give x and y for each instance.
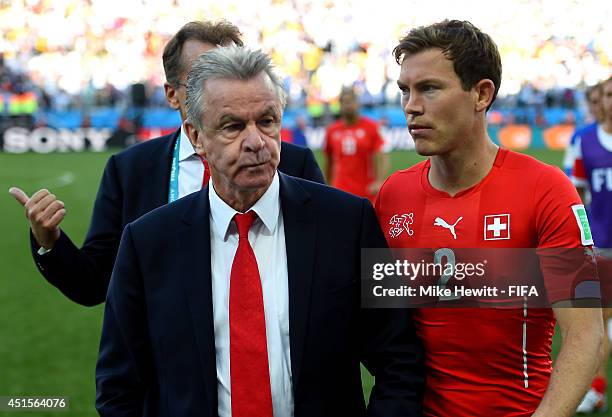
(267, 238)
(191, 168)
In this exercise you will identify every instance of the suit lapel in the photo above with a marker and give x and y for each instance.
(158, 178)
(195, 274)
(300, 237)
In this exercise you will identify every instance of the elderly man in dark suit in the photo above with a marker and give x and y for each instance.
(136, 181)
(243, 299)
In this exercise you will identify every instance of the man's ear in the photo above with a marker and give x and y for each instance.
(195, 137)
(171, 96)
(484, 89)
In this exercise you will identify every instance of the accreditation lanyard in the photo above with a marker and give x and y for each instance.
(173, 192)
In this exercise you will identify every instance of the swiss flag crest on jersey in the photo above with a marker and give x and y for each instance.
(497, 227)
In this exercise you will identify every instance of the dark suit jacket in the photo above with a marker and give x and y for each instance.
(134, 182)
(157, 351)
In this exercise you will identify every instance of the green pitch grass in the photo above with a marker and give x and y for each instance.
(49, 345)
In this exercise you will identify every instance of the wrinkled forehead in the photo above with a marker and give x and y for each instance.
(242, 97)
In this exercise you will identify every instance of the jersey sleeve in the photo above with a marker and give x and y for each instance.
(378, 209)
(327, 145)
(377, 139)
(554, 202)
(564, 241)
(570, 155)
(579, 177)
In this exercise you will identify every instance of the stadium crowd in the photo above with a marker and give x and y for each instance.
(318, 45)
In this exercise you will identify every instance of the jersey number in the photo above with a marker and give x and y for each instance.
(448, 270)
(349, 146)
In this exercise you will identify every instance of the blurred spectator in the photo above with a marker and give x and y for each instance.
(123, 135)
(318, 45)
(298, 132)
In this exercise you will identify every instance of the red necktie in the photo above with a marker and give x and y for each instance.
(206, 175)
(250, 375)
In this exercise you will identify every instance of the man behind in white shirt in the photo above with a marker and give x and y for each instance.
(211, 314)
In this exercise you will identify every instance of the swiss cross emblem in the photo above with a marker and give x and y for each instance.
(497, 227)
(400, 223)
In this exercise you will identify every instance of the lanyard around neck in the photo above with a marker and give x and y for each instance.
(173, 192)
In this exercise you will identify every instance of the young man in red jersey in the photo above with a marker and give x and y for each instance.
(355, 162)
(472, 194)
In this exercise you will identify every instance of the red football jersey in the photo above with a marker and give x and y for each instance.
(484, 362)
(352, 149)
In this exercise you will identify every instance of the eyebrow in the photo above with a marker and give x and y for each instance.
(228, 117)
(421, 82)
(269, 111)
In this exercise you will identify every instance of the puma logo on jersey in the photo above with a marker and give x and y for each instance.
(442, 223)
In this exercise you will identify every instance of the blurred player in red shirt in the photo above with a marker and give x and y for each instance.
(471, 194)
(355, 162)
